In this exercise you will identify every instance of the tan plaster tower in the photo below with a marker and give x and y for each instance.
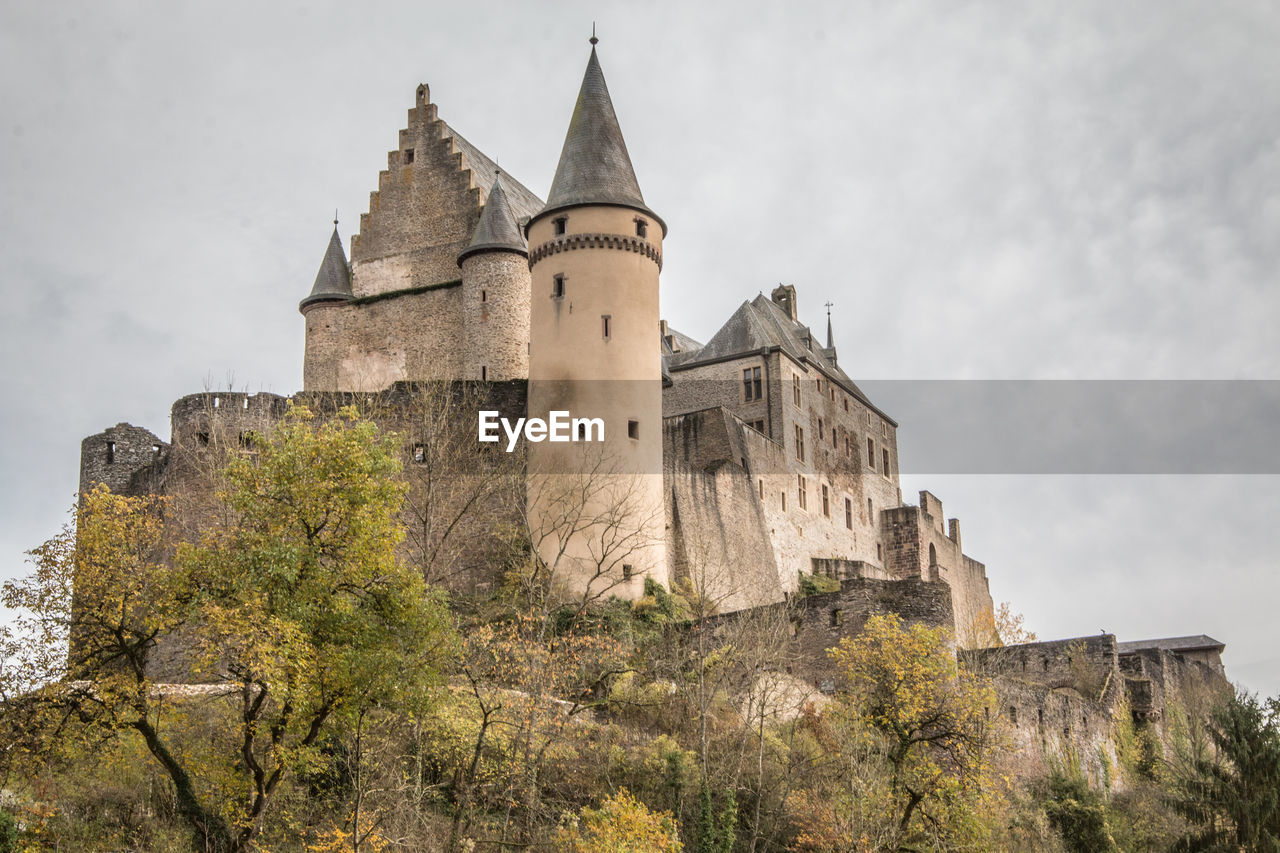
(595, 251)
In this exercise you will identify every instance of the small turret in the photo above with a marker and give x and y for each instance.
(330, 293)
(495, 294)
(333, 280)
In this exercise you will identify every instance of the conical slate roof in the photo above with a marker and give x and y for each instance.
(333, 281)
(595, 167)
(498, 230)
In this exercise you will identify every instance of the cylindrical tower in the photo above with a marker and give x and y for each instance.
(495, 294)
(595, 251)
(322, 310)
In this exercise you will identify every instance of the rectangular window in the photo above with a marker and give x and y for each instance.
(795, 389)
(871, 518)
(606, 325)
(633, 429)
(784, 500)
(802, 489)
(111, 452)
(871, 453)
(408, 156)
(627, 571)
(484, 373)
(762, 490)
(835, 445)
(884, 453)
(846, 404)
(484, 296)
(557, 287)
(800, 442)
(758, 426)
(837, 618)
(848, 513)
(562, 225)
(821, 430)
(751, 387)
(642, 228)
(826, 502)
(848, 446)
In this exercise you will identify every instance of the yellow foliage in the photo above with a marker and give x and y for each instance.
(621, 824)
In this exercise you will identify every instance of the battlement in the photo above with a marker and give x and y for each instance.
(124, 458)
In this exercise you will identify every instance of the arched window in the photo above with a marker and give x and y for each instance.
(933, 555)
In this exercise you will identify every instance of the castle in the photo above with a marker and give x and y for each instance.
(742, 464)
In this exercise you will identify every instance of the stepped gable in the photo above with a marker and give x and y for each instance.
(427, 206)
(595, 167)
(498, 230)
(333, 280)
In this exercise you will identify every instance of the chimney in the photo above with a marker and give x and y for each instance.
(784, 296)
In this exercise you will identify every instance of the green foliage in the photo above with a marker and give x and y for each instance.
(8, 832)
(1079, 814)
(1232, 797)
(817, 584)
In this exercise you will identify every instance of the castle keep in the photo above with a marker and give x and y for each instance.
(739, 465)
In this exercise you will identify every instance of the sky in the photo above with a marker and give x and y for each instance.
(983, 190)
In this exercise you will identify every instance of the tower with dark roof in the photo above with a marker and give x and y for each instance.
(495, 294)
(595, 251)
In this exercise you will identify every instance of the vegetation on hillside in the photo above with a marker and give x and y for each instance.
(345, 705)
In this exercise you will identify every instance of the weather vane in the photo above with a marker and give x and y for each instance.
(593, 38)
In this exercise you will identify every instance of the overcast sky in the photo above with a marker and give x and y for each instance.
(1079, 190)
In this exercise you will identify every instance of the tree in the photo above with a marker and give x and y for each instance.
(908, 708)
(297, 612)
(1233, 795)
(622, 824)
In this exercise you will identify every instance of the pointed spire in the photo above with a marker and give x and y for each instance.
(830, 341)
(333, 281)
(498, 230)
(595, 167)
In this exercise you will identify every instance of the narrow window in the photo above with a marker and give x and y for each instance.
(642, 228)
(800, 442)
(795, 389)
(802, 490)
(833, 394)
(627, 571)
(846, 404)
(746, 386)
(633, 429)
(216, 402)
(784, 500)
(762, 490)
(884, 429)
(606, 325)
(837, 617)
(246, 402)
(880, 552)
(848, 513)
(1013, 715)
(484, 296)
(759, 425)
(419, 454)
(111, 452)
(408, 156)
(871, 453)
(826, 502)
(561, 224)
(835, 445)
(885, 459)
(557, 287)
(755, 382)
(848, 446)
(870, 515)
(751, 388)
(821, 430)
(484, 373)
(1040, 717)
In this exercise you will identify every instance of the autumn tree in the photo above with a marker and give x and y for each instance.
(621, 824)
(909, 710)
(297, 613)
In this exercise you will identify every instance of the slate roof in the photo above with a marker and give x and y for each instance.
(333, 281)
(763, 324)
(595, 167)
(497, 229)
(524, 204)
(1197, 642)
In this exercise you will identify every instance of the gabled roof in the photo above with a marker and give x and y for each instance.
(595, 167)
(497, 230)
(484, 171)
(1194, 643)
(762, 324)
(333, 281)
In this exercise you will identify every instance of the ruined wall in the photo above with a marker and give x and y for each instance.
(824, 620)
(125, 458)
